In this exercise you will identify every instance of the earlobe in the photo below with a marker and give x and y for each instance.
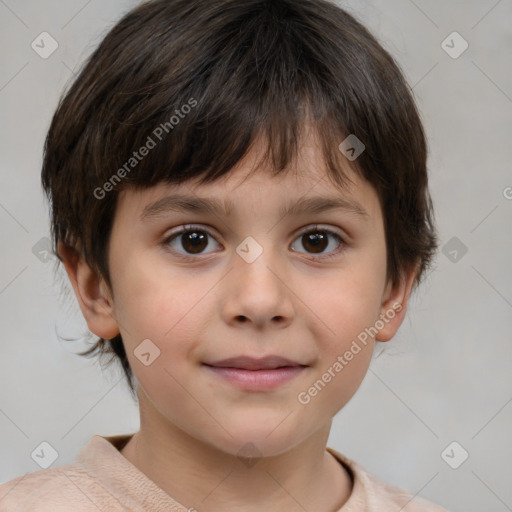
(93, 297)
(394, 306)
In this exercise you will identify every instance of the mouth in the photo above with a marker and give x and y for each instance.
(271, 362)
(256, 374)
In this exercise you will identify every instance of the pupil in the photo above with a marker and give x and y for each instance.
(317, 241)
(195, 240)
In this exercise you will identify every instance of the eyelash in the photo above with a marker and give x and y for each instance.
(191, 228)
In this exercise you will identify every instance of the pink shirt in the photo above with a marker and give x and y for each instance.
(102, 479)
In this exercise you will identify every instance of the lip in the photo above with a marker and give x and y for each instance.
(270, 362)
(256, 374)
(257, 380)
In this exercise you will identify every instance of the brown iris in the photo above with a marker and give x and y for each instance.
(316, 239)
(196, 240)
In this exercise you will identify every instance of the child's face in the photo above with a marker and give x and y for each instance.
(291, 301)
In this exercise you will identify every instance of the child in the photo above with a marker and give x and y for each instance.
(251, 129)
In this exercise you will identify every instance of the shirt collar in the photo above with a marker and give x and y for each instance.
(102, 458)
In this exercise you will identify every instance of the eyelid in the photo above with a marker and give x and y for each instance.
(310, 227)
(320, 227)
(342, 240)
(184, 228)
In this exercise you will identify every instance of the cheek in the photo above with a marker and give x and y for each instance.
(348, 308)
(171, 311)
(348, 303)
(159, 303)
(338, 377)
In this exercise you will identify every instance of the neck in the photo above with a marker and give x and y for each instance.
(198, 475)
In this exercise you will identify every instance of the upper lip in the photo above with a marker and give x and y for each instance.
(252, 363)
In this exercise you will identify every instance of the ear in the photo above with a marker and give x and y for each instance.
(92, 293)
(394, 305)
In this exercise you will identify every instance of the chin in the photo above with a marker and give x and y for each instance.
(260, 439)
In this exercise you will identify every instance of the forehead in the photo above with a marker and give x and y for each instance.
(305, 186)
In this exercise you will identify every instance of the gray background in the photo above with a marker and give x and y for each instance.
(447, 374)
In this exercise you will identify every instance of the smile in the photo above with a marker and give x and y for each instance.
(257, 380)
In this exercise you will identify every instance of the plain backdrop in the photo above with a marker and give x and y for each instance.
(442, 389)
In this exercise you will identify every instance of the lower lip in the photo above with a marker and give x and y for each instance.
(257, 380)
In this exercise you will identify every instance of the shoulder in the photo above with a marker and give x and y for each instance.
(397, 497)
(53, 490)
(372, 495)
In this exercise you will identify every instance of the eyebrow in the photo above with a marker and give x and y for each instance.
(193, 204)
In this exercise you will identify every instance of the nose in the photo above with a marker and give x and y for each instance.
(258, 294)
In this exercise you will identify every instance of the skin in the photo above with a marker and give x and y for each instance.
(289, 302)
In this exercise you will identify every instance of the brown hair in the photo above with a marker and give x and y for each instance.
(244, 69)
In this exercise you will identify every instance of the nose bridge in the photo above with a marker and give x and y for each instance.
(257, 288)
(254, 262)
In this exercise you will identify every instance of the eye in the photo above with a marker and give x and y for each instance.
(317, 240)
(193, 239)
